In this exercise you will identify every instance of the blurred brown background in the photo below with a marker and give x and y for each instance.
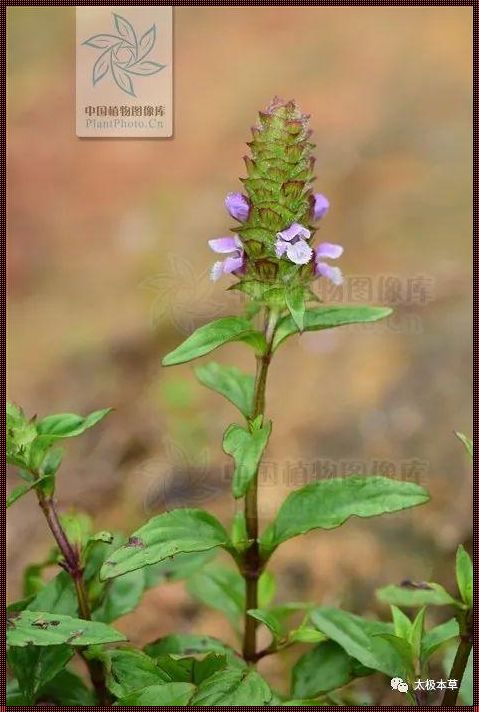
(108, 270)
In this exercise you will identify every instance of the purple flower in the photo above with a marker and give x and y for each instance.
(320, 207)
(292, 242)
(227, 246)
(329, 251)
(237, 206)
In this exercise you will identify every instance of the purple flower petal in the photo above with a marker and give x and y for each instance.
(224, 245)
(232, 264)
(281, 247)
(321, 206)
(329, 250)
(294, 230)
(300, 253)
(332, 273)
(216, 271)
(237, 205)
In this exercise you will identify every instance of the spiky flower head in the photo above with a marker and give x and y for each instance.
(279, 210)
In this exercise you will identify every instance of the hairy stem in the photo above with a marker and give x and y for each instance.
(72, 565)
(252, 564)
(460, 662)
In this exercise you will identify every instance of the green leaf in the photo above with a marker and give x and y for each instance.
(416, 633)
(51, 462)
(295, 302)
(58, 596)
(215, 334)
(34, 666)
(246, 448)
(266, 589)
(78, 528)
(361, 639)
(20, 434)
(464, 576)
(232, 688)
(14, 697)
(41, 628)
(121, 596)
(182, 566)
(223, 589)
(190, 669)
(467, 442)
(42, 459)
(326, 667)
(433, 639)
(411, 595)
(402, 624)
(68, 690)
(306, 634)
(220, 588)
(172, 694)
(271, 622)
(21, 490)
(327, 317)
(128, 670)
(329, 503)
(403, 649)
(231, 383)
(168, 534)
(17, 606)
(69, 425)
(189, 644)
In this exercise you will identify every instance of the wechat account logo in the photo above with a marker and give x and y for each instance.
(397, 683)
(123, 56)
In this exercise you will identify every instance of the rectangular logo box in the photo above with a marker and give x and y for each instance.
(124, 72)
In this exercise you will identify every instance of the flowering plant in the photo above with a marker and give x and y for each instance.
(274, 260)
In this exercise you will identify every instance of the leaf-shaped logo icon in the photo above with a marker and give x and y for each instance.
(124, 57)
(146, 68)
(103, 41)
(147, 42)
(123, 79)
(125, 29)
(101, 67)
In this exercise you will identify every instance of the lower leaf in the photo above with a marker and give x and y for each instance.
(44, 629)
(172, 694)
(326, 667)
(164, 536)
(360, 638)
(34, 667)
(232, 688)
